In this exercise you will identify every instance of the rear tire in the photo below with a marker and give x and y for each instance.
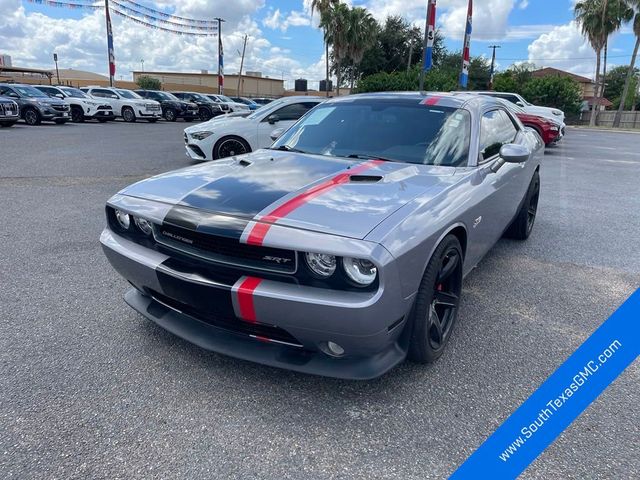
(128, 115)
(32, 116)
(522, 225)
(77, 114)
(435, 309)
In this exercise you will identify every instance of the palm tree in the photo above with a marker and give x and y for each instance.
(588, 14)
(361, 28)
(323, 7)
(627, 82)
(335, 25)
(598, 19)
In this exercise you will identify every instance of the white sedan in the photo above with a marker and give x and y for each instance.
(225, 136)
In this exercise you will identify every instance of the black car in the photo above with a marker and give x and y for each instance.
(172, 106)
(9, 112)
(36, 106)
(207, 108)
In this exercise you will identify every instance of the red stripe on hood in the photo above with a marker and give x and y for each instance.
(245, 298)
(260, 229)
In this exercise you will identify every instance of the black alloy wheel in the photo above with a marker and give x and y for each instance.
(436, 307)
(230, 146)
(522, 225)
(32, 117)
(77, 114)
(204, 113)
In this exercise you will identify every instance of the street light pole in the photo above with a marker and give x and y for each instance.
(55, 59)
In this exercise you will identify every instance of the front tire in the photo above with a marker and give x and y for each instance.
(77, 115)
(229, 147)
(32, 116)
(522, 225)
(436, 306)
(128, 115)
(205, 114)
(170, 115)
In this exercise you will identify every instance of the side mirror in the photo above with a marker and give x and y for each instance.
(520, 104)
(275, 134)
(58, 95)
(273, 119)
(513, 153)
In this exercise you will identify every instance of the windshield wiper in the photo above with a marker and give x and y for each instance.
(365, 156)
(287, 148)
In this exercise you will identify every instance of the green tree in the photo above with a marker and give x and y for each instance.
(336, 25)
(361, 30)
(630, 72)
(514, 78)
(148, 83)
(323, 7)
(554, 91)
(616, 80)
(598, 19)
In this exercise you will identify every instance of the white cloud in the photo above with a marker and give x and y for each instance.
(31, 38)
(276, 20)
(565, 48)
(523, 4)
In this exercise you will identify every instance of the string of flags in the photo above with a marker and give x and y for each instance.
(205, 28)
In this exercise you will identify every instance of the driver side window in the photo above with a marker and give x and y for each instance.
(496, 130)
(293, 111)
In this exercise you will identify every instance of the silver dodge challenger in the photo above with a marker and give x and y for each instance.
(341, 249)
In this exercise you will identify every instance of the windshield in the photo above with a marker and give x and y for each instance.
(29, 92)
(225, 99)
(201, 98)
(128, 94)
(399, 130)
(167, 96)
(74, 93)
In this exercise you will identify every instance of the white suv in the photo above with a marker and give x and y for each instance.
(83, 107)
(126, 103)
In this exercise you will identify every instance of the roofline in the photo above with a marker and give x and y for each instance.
(138, 72)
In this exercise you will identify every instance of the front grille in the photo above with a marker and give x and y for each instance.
(8, 109)
(60, 108)
(105, 107)
(232, 324)
(186, 139)
(153, 108)
(227, 250)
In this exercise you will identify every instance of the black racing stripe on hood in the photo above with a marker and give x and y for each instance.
(246, 192)
(206, 222)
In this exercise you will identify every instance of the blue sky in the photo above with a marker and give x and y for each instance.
(283, 39)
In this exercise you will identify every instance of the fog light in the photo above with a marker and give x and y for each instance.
(123, 219)
(332, 349)
(143, 225)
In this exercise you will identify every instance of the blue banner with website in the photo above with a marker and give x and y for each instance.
(560, 399)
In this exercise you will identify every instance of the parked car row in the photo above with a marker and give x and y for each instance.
(60, 104)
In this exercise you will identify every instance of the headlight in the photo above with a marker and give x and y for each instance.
(143, 225)
(321, 264)
(123, 219)
(362, 272)
(556, 112)
(201, 135)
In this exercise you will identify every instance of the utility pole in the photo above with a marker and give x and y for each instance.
(410, 55)
(220, 58)
(493, 63)
(244, 47)
(55, 59)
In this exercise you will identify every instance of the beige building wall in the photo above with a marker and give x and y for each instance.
(208, 83)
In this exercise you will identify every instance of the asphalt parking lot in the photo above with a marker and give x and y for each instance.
(89, 389)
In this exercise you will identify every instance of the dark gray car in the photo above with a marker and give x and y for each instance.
(36, 106)
(341, 249)
(9, 112)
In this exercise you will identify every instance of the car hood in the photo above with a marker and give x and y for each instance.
(221, 121)
(52, 101)
(546, 112)
(325, 194)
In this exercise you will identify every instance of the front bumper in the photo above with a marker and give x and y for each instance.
(198, 150)
(51, 114)
(293, 321)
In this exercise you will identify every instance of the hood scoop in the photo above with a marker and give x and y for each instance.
(365, 178)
